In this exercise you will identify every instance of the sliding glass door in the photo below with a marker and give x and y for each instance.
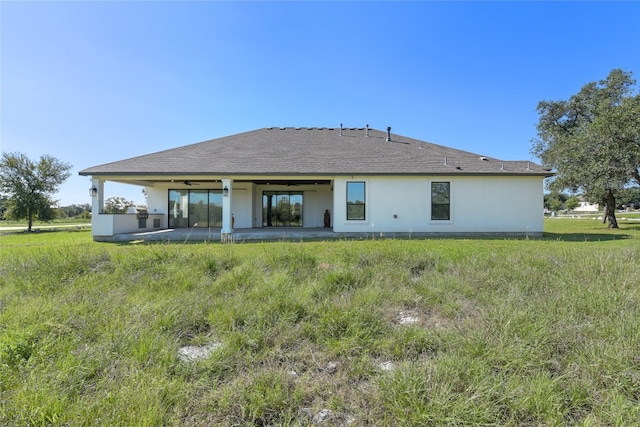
(195, 208)
(282, 209)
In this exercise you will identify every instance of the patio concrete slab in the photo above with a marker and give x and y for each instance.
(238, 235)
(252, 234)
(282, 233)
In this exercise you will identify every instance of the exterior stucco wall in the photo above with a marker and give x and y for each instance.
(111, 224)
(101, 224)
(158, 202)
(241, 206)
(494, 204)
(478, 205)
(316, 200)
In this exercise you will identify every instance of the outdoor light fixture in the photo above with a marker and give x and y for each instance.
(225, 191)
(93, 191)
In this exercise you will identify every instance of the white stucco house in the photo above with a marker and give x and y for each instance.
(367, 180)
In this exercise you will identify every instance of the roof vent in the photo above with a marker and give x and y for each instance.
(445, 161)
(367, 131)
(340, 129)
(388, 133)
(528, 166)
(484, 159)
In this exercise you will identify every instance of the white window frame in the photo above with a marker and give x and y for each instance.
(451, 193)
(366, 202)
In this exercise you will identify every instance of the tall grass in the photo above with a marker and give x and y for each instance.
(375, 332)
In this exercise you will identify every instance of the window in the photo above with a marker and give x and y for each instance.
(441, 201)
(195, 208)
(355, 201)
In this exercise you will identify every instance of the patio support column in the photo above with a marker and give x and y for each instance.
(97, 201)
(227, 228)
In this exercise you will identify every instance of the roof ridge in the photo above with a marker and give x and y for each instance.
(317, 128)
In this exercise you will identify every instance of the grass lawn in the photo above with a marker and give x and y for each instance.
(375, 332)
(66, 221)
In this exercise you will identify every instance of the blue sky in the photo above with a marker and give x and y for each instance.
(93, 82)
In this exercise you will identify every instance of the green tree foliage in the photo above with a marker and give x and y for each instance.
(592, 140)
(554, 201)
(4, 200)
(117, 205)
(629, 197)
(572, 203)
(30, 185)
(555, 204)
(75, 211)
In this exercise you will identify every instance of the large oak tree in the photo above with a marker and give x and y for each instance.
(30, 185)
(592, 140)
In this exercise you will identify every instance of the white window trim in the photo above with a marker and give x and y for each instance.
(366, 203)
(451, 196)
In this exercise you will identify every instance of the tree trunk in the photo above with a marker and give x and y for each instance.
(610, 210)
(29, 220)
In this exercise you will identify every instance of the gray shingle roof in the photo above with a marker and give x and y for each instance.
(314, 151)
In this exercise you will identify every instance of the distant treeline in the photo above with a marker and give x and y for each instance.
(63, 212)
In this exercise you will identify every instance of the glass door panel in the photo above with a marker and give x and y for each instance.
(268, 209)
(198, 208)
(295, 204)
(282, 209)
(215, 208)
(178, 201)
